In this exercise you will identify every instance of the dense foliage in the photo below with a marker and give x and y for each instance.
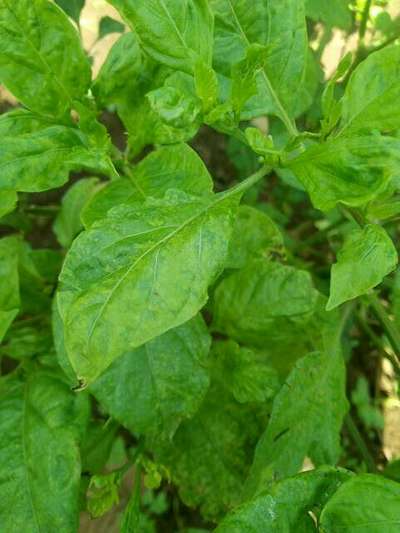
(201, 340)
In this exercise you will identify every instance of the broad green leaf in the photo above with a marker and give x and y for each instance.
(206, 84)
(97, 444)
(121, 72)
(246, 374)
(262, 300)
(277, 24)
(68, 222)
(367, 256)
(366, 504)
(288, 505)
(140, 272)
(9, 282)
(150, 390)
(39, 482)
(72, 8)
(24, 342)
(333, 13)
(370, 100)
(41, 59)
(169, 167)
(176, 33)
(21, 121)
(42, 160)
(8, 201)
(210, 454)
(351, 170)
(307, 416)
(109, 25)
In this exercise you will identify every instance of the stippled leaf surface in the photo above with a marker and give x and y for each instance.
(140, 272)
(367, 256)
(150, 390)
(41, 59)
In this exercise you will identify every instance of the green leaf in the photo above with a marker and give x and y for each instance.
(109, 25)
(9, 282)
(367, 256)
(103, 493)
(8, 202)
(68, 222)
(168, 167)
(351, 170)
(247, 375)
(176, 33)
(307, 416)
(288, 505)
(42, 160)
(255, 234)
(210, 454)
(380, 509)
(41, 59)
(150, 390)
(277, 24)
(39, 454)
(333, 13)
(72, 8)
(206, 84)
(262, 300)
(370, 100)
(140, 272)
(96, 446)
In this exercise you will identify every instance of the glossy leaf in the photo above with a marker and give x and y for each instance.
(39, 454)
(41, 59)
(351, 170)
(372, 92)
(176, 33)
(380, 509)
(289, 505)
(367, 256)
(140, 272)
(307, 412)
(150, 390)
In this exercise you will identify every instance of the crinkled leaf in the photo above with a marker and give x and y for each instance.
(288, 505)
(150, 390)
(351, 170)
(177, 33)
(68, 222)
(169, 167)
(140, 272)
(246, 373)
(366, 503)
(262, 300)
(41, 59)
(42, 160)
(370, 100)
(277, 24)
(367, 256)
(210, 454)
(254, 234)
(39, 454)
(307, 415)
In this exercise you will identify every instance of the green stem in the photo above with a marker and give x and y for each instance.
(392, 332)
(360, 443)
(364, 21)
(246, 184)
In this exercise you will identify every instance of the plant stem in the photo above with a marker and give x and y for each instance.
(360, 443)
(391, 331)
(364, 21)
(246, 184)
